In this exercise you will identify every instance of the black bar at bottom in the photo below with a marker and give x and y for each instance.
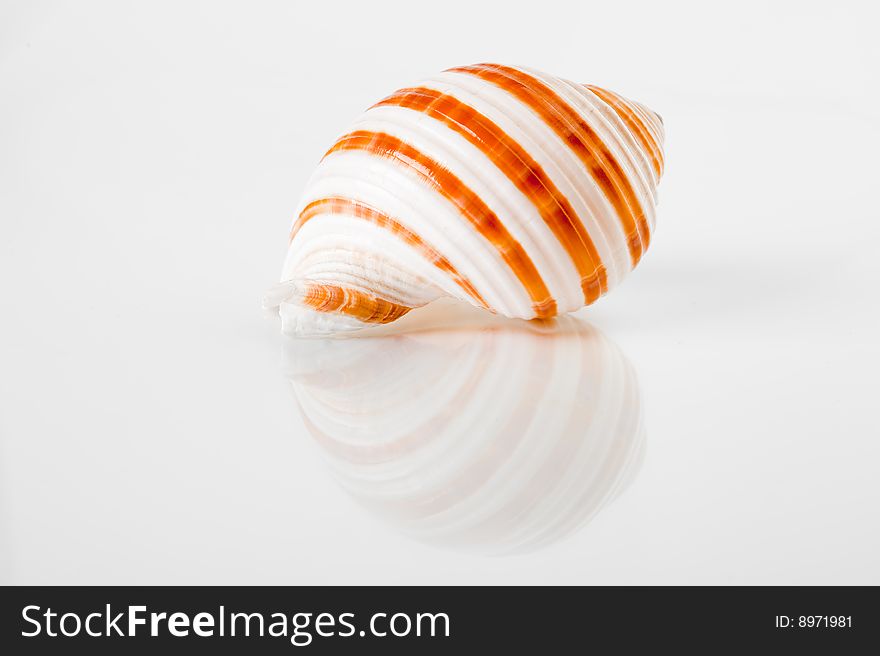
(410, 620)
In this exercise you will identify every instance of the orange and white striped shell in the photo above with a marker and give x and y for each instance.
(514, 190)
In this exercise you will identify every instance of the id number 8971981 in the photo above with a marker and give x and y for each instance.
(814, 621)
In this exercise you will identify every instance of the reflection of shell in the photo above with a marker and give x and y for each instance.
(501, 440)
(514, 190)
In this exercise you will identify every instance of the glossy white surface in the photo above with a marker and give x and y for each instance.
(498, 438)
(151, 159)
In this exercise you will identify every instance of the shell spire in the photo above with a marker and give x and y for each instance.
(517, 191)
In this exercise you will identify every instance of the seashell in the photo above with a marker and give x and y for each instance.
(516, 191)
(495, 441)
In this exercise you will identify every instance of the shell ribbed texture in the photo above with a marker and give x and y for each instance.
(505, 187)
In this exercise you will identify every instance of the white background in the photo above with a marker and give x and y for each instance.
(151, 155)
